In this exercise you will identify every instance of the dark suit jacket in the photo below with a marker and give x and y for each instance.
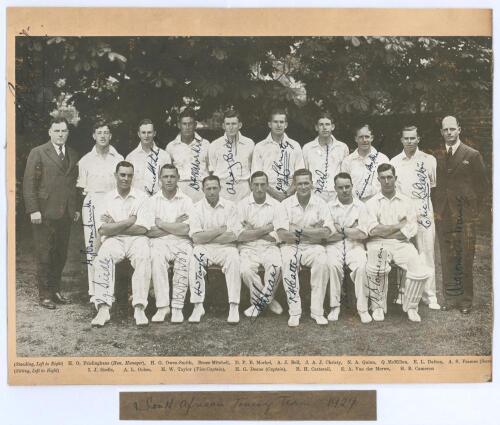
(47, 186)
(462, 183)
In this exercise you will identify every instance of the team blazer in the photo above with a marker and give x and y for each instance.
(47, 186)
(462, 183)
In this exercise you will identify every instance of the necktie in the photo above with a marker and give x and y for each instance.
(449, 153)
(61, 154)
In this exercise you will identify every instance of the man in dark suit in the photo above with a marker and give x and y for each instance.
(461, 188)
(49, 190)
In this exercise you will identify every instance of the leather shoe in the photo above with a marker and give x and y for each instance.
(47, 303)
(465, 310)
(58, 298)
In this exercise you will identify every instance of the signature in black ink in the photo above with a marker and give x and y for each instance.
(195, 166)
(231, 162)
(323, 176)
(291, 281)
(457, 287)
(152, 167)
(104, 275)
(371, 171)
(180, 283)
(376, 286)
(260, 299)
(200, 275)
(422, 191)
(282, 167)
(90, 251)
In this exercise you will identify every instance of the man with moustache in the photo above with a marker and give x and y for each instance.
(258, 214)
(391, 224)
(416, 171)
(303, 227)
(122, 224)
(461, 190)
(362, 164)
(231, 158)
(170, 242)
(214, 229)
(147, 159)
(50, 199)
(278, 156)
(96, 177)
(345, 247)
(189, 153)
(323, 157)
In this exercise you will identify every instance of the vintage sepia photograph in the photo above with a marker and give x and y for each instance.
(253, 196)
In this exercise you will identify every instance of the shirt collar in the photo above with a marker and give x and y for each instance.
(333, 141)
(139, 147)
(336, 202)
(131, 194)
(220, 204)
(312, 201)
(197, 138)
(269, 138)
(178, 195)
(453, 147)
(112, 151)
(397, 195)
(356, 154)
(415, 155)
(56, 147)
(267, 201)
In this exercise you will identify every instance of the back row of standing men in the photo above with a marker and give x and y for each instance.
(233, 158)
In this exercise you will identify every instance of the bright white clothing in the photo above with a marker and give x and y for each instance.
(232, 162)
(191, 159)
(278, 160)
(206, 217)
(363, 172)
(147, 167)
(170, 248)
(416, 177)
(348, 253)
(96, 176)
(324, 162)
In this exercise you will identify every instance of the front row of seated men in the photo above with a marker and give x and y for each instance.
(303, 230)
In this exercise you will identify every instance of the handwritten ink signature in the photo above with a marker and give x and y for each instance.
(422, 191)
(371, 171)
(282, 167)
(180, 285)
(323, 176)
(195, 166)
(231, 162)
(90, 251)
(291, 281)
(376, 286)
(457, 288)
(200, 273)
(152, 167)
(104, 276)
(260, 299)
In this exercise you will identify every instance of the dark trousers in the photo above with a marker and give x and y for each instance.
(457, 242)
(51, 246)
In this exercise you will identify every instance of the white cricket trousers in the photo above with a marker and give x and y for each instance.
(222, 255)
(114, 250)
(404, 254)
(353, 255)
(268, 256)
(164, 250)
(426, 237)
(90, 211)
(313, 256)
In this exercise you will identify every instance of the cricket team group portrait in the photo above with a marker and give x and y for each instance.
(312, 197)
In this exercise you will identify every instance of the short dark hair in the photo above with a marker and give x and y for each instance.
(99, 124)
(232, 113)
(210, 178)
(278, 111)
(145, 121)
(302, 172)
(342, 176)
(259, 174)
(410, 128)
(187, 113)
(169, 167)
(325, 114)
(59, 120)
(360, 126)
(386, 167)
(123, 164)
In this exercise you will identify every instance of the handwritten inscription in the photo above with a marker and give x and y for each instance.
(457, 286)
(90, 250)
(322, 176)
(103, 280)
(152, 169)
(376, 284)
(199, 278)
(180, 284)
(231, 163)
(195, 166)
(368, 178)
(291, 283)
(422, 191)
(261, 298)
(282, 167)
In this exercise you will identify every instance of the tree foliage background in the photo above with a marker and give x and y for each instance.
(386, 81)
